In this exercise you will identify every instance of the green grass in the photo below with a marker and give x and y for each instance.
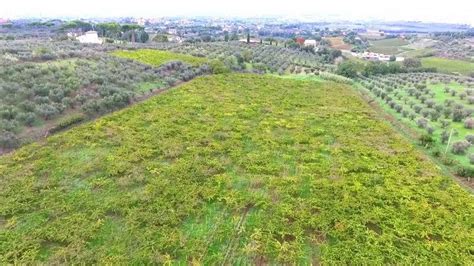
(390, 46)
(424, 52)
(233, 169)
(448, 65)
(302, 77)
(158, 57)
(147, 86)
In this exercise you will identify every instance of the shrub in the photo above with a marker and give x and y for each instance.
(219, 67)
(462, 95)
(470, 99)
(465, 171)
(426, 140)
(458, 114)
(27, 119)
(391, 103)
(67, 122)
(398, 108)
(8, 140)
(445, 123)
(447, 112)
(469, 138)
(430, 103)
(46, 111)
(422, 122)
(436, 153)
(448, 102)
(425, 113)
(444, 136)
(423, 99)
(460, 147)
(417, 108)
(8, 125)
(448, 160)
(469, 123)
(405, 113)
(471, 158)
(430, 129)
(434, 116)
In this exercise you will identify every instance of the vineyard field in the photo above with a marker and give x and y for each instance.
(233, 169)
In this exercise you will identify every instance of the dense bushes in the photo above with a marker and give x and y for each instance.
(460, 147)
(8, 139)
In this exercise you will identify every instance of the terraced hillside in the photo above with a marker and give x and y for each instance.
(233, 169)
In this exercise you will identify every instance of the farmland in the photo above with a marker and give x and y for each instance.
(262, 58)
(446, 65)
(42, 95)
(233, 169)
(436, 105)
(338, 43)
(391, 46)
(157, 57)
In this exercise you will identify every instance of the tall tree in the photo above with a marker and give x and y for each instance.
(226, 36)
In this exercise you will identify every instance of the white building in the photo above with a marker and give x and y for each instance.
(251, 40)
(376, 56)
(89, 37)
(175, 39)
(310, 43)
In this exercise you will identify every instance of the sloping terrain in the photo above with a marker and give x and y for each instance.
(338, 43)
(157, 57)
(233, 169)
(449, 66)
(390, 46)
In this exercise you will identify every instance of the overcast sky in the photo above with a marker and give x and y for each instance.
(459, 11)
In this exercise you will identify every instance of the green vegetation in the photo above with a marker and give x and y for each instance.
(233, 169)
(387, 46)
(335, 77)
(419, 53)
(127, 32)
(264, 58)
(158, 57)
(355, 68)
(35, 96)
(434, 104)
(449, 65)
